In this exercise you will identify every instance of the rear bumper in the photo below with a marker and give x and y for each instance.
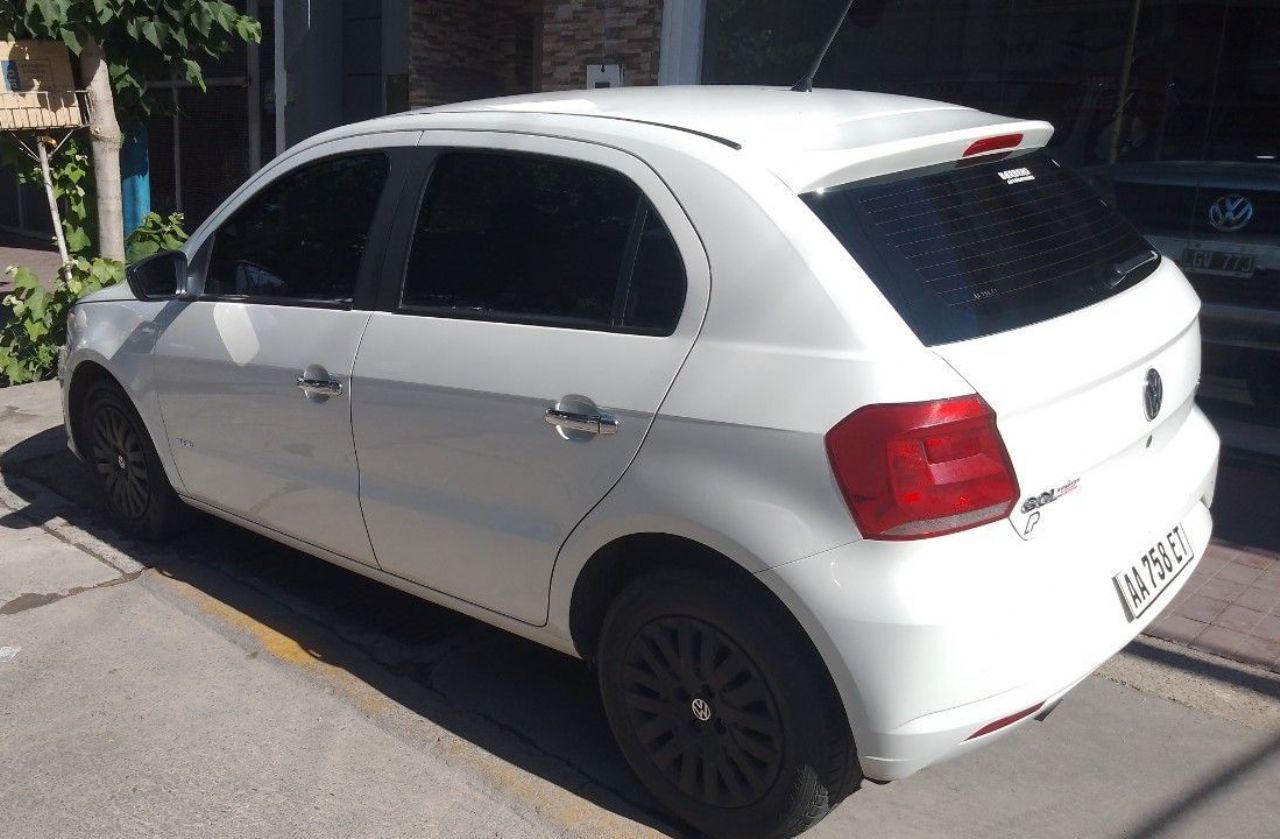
(931, 641)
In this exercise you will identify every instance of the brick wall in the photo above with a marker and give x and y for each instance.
(468, 49)
(580, 32)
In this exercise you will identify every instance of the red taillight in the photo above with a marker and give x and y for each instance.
(990, 144)
(922, 469)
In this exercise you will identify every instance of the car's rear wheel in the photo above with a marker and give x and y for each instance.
(722, 709)
(123, 460)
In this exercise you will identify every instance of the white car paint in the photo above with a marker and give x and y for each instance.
(473, 502)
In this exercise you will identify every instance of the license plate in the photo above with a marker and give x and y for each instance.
(1145, 580)
(1221, 263)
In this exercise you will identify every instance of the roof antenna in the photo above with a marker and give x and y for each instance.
(806, 81)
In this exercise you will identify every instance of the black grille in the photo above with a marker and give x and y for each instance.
(1158, 209)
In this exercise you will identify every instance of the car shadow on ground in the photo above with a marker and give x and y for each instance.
(530, 706)
(1244, 504)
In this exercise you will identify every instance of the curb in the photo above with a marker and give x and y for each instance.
(46, 509)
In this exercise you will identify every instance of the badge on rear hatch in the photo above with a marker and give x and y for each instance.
(1016, 176)
(1027, 517)
(1153, 394)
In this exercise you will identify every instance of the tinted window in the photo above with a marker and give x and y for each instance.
(543, 240)
(656, 295)
(303, 236)
(968, 250)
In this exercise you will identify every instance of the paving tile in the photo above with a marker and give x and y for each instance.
(1268, 627)
(1237, 573)
(1220, 640)
(1213, 561)
(1239, 618)
(1261, 651)
(1218, 589)
(1269, 581)
(1176, 628)
(1259, 599)
(1254, 560)
(1201, 608)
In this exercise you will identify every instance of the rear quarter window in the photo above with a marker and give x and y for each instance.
(970, 249)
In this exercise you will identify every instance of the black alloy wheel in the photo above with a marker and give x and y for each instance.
(117, 456)
(703, 712)
(722, 707)
(114, 443)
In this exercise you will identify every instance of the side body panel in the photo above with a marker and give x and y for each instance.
(118, 333)
(243, 436)
(465, 487)
(736, 459)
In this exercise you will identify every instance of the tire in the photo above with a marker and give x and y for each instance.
(123, 462)
(768, 753)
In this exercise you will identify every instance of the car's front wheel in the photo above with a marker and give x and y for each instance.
(123, 460)
(721, 708)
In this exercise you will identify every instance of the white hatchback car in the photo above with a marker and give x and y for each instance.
(841, 431)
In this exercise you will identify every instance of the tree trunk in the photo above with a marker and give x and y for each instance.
(104, 131)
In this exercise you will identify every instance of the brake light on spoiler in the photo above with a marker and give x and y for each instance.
(986, 145)
(922, 469)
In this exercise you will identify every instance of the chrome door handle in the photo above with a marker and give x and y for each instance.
(603, 424)
(320, 387)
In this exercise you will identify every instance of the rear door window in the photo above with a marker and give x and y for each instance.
(542, 240)
(971, 249)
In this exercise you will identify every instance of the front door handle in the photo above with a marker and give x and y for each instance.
(603, 424)
(319, 387)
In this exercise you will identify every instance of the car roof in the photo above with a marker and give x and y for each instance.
(809, 140)
(741, 116)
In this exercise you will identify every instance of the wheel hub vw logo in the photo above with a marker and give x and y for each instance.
(1153, 394)
(1230, 213)
(701, 709)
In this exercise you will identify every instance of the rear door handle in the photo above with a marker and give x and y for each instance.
(603, 424)
(319, 387)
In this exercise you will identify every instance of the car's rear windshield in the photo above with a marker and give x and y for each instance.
(970, 249)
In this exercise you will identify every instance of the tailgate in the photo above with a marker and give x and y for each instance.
(1057, 313)
(1072, 399)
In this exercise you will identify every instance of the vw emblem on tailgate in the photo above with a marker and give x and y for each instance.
(1230, 213)
(1153, 393)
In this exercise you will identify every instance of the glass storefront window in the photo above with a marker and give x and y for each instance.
(1170, 108)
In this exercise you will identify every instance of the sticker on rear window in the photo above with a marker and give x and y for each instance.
(1016, 176)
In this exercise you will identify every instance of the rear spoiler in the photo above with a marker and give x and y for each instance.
(830, 168)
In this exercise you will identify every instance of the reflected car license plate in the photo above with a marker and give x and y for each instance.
(1221, 263)
(1145, 580)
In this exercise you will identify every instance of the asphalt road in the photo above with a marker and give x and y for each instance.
(226, 686)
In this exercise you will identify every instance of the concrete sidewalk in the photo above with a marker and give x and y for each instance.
(127, 707)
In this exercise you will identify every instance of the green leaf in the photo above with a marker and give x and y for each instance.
(77, 239)
(151, 31)
(23, 278)
(70, 38)
(194, 73)
(35, 330)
